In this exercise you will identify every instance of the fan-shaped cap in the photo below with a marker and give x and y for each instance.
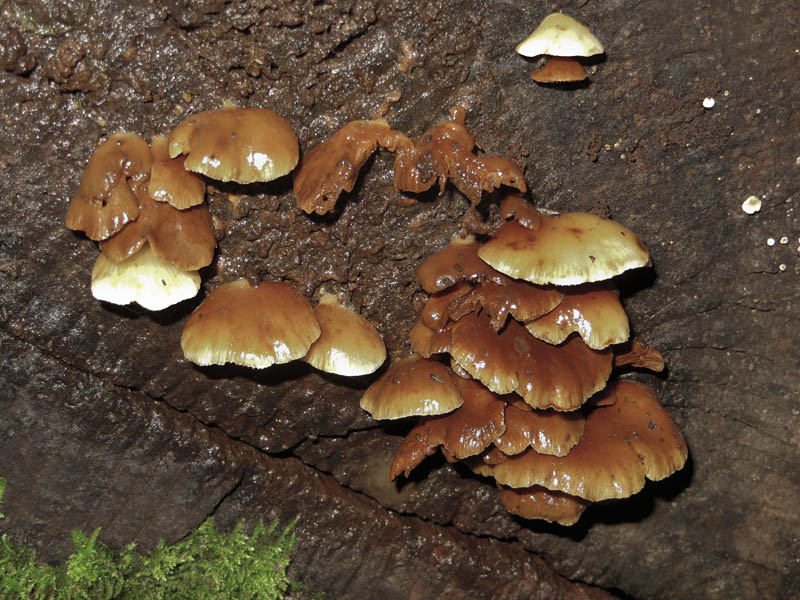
(348, 345)
(332, 166)
(484, 354)
(640, 355)
(559, 69)
(170, 182)
(592, 310)
(183, 237)
(104, 203)
(259, 326)
(464, 432)
(633, 439)
(143, 278)
(236, 144)
(413, 386)
(458, 261)
(427, 342)
(436, 312)
(537, 502)
(560, 35)
(546, 431)
(567, 249)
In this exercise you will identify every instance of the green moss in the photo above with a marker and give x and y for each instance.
(205, 565)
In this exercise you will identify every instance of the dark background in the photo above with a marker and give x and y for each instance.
(104, 424)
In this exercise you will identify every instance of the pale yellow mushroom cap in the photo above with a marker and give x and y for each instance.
(143, 278)
(348, 345)
(560, 35)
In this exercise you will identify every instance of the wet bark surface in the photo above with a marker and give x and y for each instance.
(104, 424)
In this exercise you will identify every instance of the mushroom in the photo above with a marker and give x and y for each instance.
(253, 326)
(458, 261)
(546, 431)
(348, 345)
(464, 432)
(622, 444)
(445, 152)
(640, 355)
(567, 249)
(592, 309)
(537, 502)
(143, 278)
(413, 386)
(244, 145)
(170, 182)
(560, 37)
(104, 202)
(332, 166)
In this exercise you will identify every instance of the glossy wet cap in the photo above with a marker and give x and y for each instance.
(567, 249)
(144, 278)
(559, 69)
(537, 502)
(244, 145)
(560, 35)
(253, 326)
(348, 345)
(413, 386)
(170, 182)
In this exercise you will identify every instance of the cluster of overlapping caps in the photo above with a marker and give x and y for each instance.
(533, 328)
(529, 318)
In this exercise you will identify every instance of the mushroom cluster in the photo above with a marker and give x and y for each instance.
(145, 204)
(443, 152)
(530, 327)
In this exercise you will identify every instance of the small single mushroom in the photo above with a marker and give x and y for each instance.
(170, 181)
(182, 237)
(466, 431)
(348, 345)
(640, 355)
(560, 37)
(537, 502)
(143, 278)
(444, 152)
(546, 431)
(253, 326)
(622, 445)
(568, 249)
(104, 202)
(244, 145)
(413, 386)
(332, 166)
(593, 310)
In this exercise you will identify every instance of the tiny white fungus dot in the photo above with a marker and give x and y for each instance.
(708, 103)
(781, 267)
(784, 240)
(770, 241)
(752, 205)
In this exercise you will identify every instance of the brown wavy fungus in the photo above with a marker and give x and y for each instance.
(443, 152)
(533, 327)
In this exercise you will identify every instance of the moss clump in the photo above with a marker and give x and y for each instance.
(205, 565)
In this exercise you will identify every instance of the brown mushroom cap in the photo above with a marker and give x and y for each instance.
(349, 344)
(436, 312)
(412, 386)
(537, 502)
(567, 249)
(183, 237)
(332, 166)
(464, 432)
(143, 278)
(546, 431)
(104, 203)
(559, 69)
(514, 206)
(259, 326)
(640, 355)
(427, 342)
(458, 261)
(170, 182)
(633, 439)
(592, 310)
(546, 376)
(236, 144)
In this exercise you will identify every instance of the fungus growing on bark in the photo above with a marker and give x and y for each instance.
(143, 278)
(560, 37)
(546, 431)
(413, 386)
(170, 182)
(254, 326)
(348, 345)
(244, 145)
(332, 166)
(567, 249)
(444, 152)
(105, 201)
